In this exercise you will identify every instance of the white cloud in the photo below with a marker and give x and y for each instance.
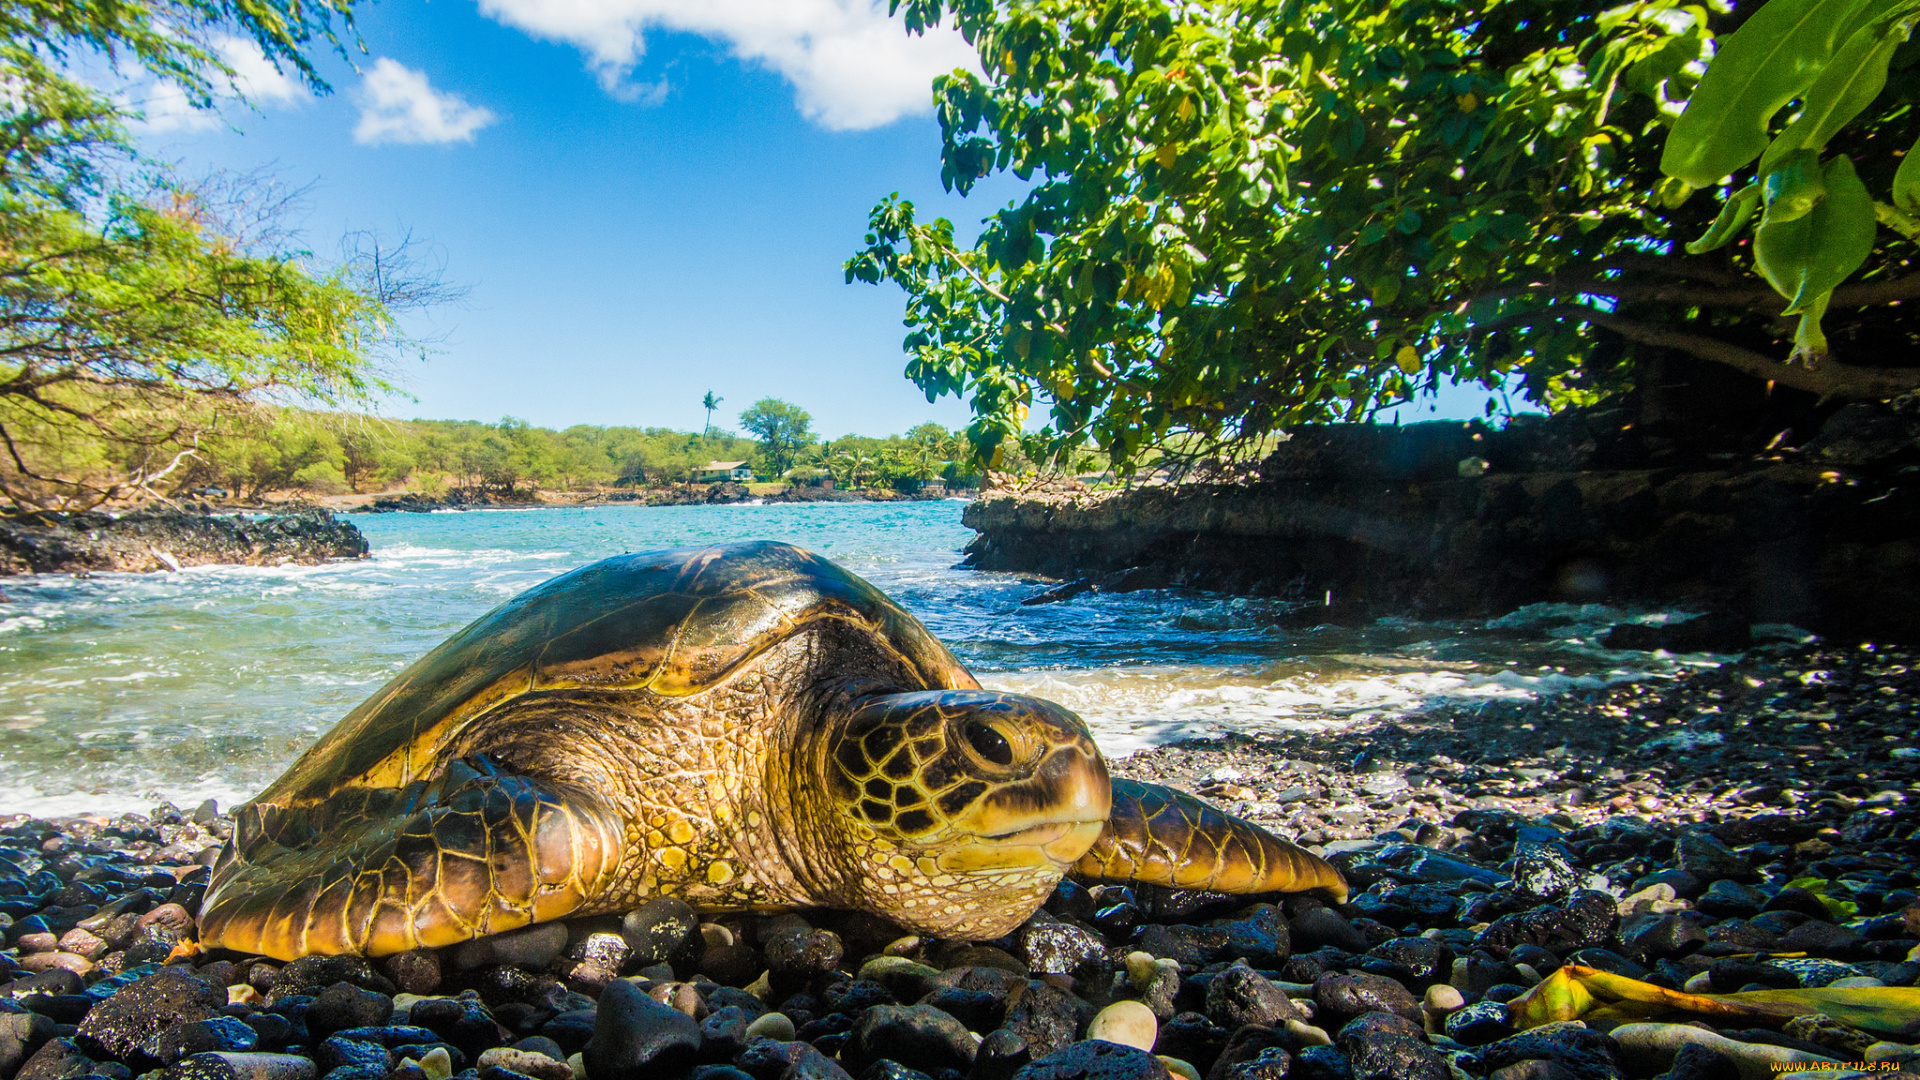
(398, 106)
(851, 66)
(164, 106)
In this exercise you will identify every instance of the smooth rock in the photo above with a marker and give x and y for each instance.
(1000, 1055)
(531, 947)
(1646, 1049)
(344, 1005)
(1046, 1017)
(1128, 1023)
(526, 1063)
(1344, 997)
(1589, 1055)
(635, 1036)
(773, 1025)
(214, 1034)
(659, 930)
(219, 1065)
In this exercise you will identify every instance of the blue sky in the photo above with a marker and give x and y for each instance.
(640, 216)
(647, 199)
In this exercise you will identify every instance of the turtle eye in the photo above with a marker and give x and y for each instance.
(988, 743)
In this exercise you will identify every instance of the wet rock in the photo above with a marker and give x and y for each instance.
(1697, 1061)
(1416, 961)
(531, 947)
(1095, 1060)
(1703, 855)
(465, 1023)
(1404, 905)
(1733, 974)
(1813, 972)
(1193, 1038)
(1343, 997)
(905, 979)
(309, 975)
(796, 959)
(1271, 1063)
(1321, 1063)
(220, 1065)
(1384, 1046)
(218, 1033)
(1543, 873)
(1192, 946)
(1646, 1049)
(635, 1036)
(766, 1059)
(1478, 1024)
(1729, 899)
(661, 930)
(1045, 1017)
(1587, 1054)
(917, 1036)
(58, 1059)
(1059, 948)
(1320, 927)
(891, 1070)
(524, 1063)
(126, 1026)
(774, 1025)
(1585, 920)
(1000, 1055)
(1661, 937)
(1239, 996)
(344, 1005)
(979, 1010)
(1257, 934)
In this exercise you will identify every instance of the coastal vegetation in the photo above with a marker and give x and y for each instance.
(136, 308)
(1247, 215)
(250, 454)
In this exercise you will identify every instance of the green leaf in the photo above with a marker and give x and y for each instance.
(1906, 181)
(1848, 84)
(1806, 258)
(1734, 215)
(1768, 62)
(1793, 188)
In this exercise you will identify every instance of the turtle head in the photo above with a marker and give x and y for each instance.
(961, 809)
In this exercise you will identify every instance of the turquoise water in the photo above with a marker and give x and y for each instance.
(122, 689)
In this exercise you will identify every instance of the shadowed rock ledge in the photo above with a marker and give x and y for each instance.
(148, 539)
(1355, 522)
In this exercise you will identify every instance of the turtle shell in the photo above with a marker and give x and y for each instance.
(672, 622)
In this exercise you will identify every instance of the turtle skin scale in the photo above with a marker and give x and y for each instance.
(747, 727)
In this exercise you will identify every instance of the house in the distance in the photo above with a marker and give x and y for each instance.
(718, 472)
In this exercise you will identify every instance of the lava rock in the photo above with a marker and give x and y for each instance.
(795, 959)
(1406, 905)
(1380, 1049)
(463, 1022)
(126, 1026)
(1095, 1060)
(1730, 899)
(338, 1053)
(344, 1005)
(1589, 1055)
(1045, 1017)
(917, 1036)
(979, 1010)
(1257, 934)
(1478, 1024)
(1320, 927)
(1240, 995)
(219, 1033)
(1059, 948)
(57, 1059)
(220, 1065)
(1543, 873)
(309, 975)
(999, 1056)
(1343, 997)
(1703, 855)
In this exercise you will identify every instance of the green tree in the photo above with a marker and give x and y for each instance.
(1248, 214)
(784, 430)
(128, 310)
(710, 403)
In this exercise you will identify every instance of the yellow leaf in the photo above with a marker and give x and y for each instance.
(1185, 111)
(1573, 991)
(1409, 360)
(1468, 102)
(1167, 155)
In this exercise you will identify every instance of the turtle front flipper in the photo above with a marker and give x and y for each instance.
(379, 871)
(1159, 836)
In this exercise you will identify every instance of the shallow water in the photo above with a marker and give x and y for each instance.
(120, 690)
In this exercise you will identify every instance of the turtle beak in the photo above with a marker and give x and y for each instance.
(1052, 818)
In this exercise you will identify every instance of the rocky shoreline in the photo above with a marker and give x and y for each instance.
(1450, 520)
(690, 495)
(1744, 827)
(152, 539)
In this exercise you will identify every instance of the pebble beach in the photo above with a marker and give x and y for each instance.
(1728, 829)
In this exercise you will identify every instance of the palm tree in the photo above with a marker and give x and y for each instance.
(711, 404)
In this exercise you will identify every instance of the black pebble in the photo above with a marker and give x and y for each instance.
(636, 1036)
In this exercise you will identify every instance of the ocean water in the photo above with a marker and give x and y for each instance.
(120, 690)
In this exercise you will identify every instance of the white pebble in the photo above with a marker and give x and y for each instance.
(773, 1025)
(1442, 998)
(437, 1063)
(1128, 1023)
(1853, 981)
(1308, 1034)
(1179, 1068)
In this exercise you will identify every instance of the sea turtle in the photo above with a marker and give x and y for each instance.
(747, 727)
